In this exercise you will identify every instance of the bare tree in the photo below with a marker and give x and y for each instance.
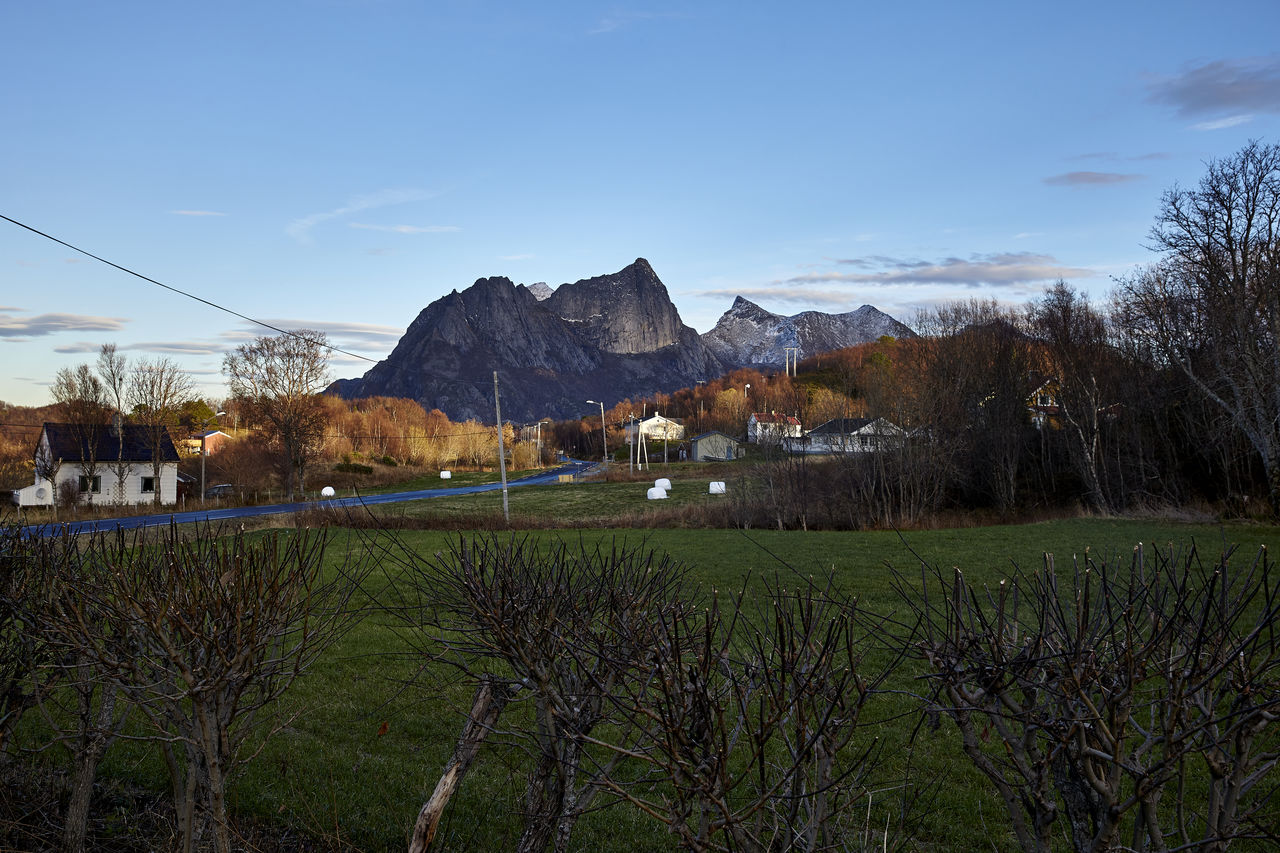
(208, 633)
(22, 646)
(735, 729)
(1211, 306)
(544, 625)
(84, 715)
(82, 404)
(278, 379)
(1136, 701)
(113, 370)
(1076, 340)
(157, 391)
(748, 720)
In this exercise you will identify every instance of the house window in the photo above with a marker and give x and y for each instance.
(91, 484)
(148, 485)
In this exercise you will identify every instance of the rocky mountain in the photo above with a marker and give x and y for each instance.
(747, 334)
(540, 290)
(602, 338)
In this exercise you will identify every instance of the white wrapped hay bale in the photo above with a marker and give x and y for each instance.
(662, 483)
(327, 492)
(656, 494)
(717, 487)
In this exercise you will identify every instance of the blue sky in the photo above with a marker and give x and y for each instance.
(340, 164)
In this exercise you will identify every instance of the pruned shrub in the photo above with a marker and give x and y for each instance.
(1136, 700)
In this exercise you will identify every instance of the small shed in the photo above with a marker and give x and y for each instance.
(715, 446)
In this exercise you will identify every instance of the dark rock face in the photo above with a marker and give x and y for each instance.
(627, 312)
(747, 334)
(602, 338)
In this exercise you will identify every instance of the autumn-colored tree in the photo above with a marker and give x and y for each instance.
(278, 380)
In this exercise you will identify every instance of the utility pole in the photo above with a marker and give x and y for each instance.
(203, 452)
(502, 456)
(792, 358)
(604, 438)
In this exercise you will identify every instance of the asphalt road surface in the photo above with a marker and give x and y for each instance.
(215, 515)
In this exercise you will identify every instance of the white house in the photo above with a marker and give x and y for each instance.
(772, 428)
(102, 464)
(655, 428)
(849, 435)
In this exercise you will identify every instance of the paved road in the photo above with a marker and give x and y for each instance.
(215, 515)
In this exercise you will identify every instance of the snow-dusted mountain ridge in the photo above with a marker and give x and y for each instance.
(748, 334)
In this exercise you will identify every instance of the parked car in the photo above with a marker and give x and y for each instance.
(222, 490)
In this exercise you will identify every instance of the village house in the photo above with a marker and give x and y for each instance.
(1042, 404)
(772, 428)
(849, 435)
(102, 464)
(655, 428)
(213, 439)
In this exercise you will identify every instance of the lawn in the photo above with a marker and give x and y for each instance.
(376, 722)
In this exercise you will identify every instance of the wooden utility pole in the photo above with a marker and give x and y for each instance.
(502, 453)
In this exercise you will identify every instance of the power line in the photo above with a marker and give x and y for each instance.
(181, 292)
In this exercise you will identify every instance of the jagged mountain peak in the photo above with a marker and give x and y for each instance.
(540, 290)
(749, 334)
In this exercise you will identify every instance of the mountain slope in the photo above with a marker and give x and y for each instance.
(603, 338)
(747, 334)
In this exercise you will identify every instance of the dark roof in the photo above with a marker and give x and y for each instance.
(841, 426)
(73, 443)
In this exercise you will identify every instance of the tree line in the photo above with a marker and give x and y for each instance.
(283, 427)
(1166, 392)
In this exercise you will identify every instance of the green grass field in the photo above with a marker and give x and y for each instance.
(376, 722)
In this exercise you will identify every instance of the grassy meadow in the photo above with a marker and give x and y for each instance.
(376, 721)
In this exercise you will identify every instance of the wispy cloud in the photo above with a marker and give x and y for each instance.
(841, 300)
(167, 347)
(1026, 235)
(1220, 124)
(196, 213)
(1228, 90)
(407, 229)
(623, 18)
(343, 334)
(1122, 158)
(24, 328)
(300, 229)
(1090, 179)
(1001, 269)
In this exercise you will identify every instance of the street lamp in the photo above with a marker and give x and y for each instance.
(204, 433)
(604, 438)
